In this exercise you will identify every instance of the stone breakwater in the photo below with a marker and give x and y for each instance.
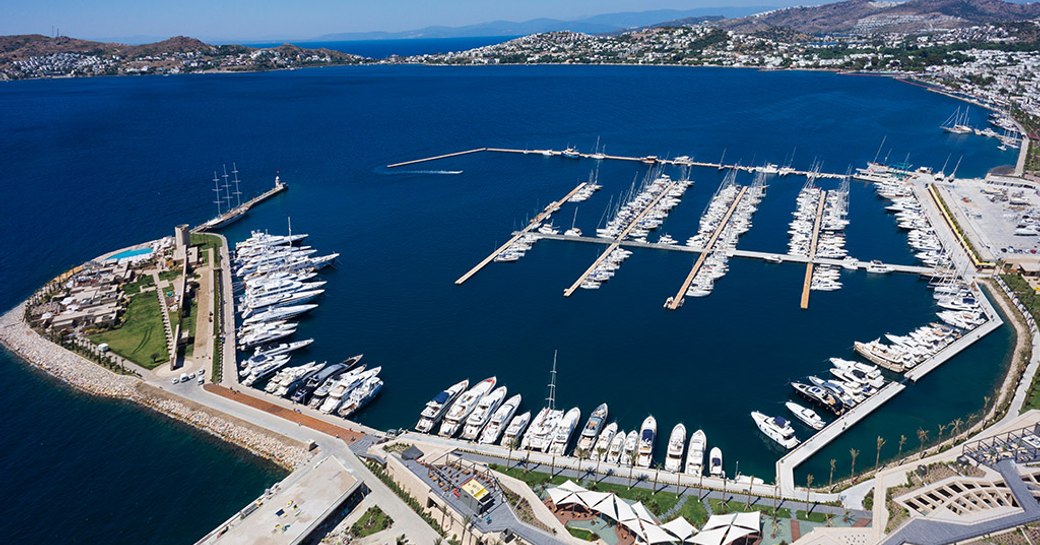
(91, 378)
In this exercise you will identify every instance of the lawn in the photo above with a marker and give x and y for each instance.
(205, 242)
(135, 287)
(1031, 300)
(374, 520)
(583, 534)
(694, 512)
(658, 503)
(811, 517)
(721, 507)
(141, 334)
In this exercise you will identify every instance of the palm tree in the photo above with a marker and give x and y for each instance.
(902, 441)
(808, 488)
(853, 453)
(877, 458)
(830, 481)
(942, 428)
(956, 424)
(922, 437)
(599, 456)
(657, 474)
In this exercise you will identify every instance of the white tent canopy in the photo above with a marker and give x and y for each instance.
(680, 528)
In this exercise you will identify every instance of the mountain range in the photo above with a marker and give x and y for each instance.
(597, 24)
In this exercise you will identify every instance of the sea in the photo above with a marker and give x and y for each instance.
(91, 165)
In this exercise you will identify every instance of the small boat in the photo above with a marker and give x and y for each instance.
(878, 267)
(676, 446)
(628, 452)
(647, 436)
(695, 454)
(806, 415)
(715, 463)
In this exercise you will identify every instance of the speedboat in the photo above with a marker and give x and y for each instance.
(695, 454)
(715, 463)
(436, 407)
(806, 415)
(776, 428)
(463, 406)
(590, 432)
(499, 421)
(676, 446)
(647, 435)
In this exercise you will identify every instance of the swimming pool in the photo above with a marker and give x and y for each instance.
(125, 254)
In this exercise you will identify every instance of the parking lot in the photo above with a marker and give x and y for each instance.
(1002, 220)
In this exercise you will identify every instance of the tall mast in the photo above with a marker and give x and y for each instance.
(216, 189)
(552, 385)
(238, 194)
(227, 194)
(290, 226)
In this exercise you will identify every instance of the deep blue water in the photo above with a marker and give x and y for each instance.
(381, 49)
(92, 165)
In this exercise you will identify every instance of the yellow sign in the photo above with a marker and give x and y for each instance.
(475, 489)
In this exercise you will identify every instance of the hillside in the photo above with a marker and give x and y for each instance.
(866, 16)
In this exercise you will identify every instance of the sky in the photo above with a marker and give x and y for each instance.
(225, 20)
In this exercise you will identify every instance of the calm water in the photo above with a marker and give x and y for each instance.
(380, 49)
(93, 165)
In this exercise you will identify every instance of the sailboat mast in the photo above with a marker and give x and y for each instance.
(216, 189)
(238, 193)
(552, 384)
(227, 193)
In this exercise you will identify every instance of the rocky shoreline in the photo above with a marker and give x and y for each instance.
(93, 379)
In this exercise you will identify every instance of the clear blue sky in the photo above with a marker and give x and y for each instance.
(298, 19)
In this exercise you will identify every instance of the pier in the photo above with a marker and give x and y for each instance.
(680, 296)
(648, 159)
(617, 241)
(542, 216)
(235, 213)
(785, 466)
(807, 284)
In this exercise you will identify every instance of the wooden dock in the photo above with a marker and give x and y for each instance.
(648, 159)
(436, 157)
(807, 284)
(240, 210)
(542, 216)
(677, 301)
(617, 241)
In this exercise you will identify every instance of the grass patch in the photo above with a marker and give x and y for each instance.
(694, 511)
(582, 533)
(658, 504)
(811, 517)
(205, 242)
(141, 334)
(135, 287)
(1031, 300)
(170, 274)
(374, 520)
(721, 507)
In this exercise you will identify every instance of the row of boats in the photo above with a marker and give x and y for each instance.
(847, 384)
(714, 223)
(911, 217)
(830, 242)
(483, 414)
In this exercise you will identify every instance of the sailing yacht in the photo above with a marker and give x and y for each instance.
(695, 454)
(957, 123)
(590, 432)
(676, 445)
(463, 406)
(647, 435)
(436, 407)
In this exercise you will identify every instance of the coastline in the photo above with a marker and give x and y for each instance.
(30, 347)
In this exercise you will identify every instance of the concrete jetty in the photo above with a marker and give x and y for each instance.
(436, 157)
(235, 213)
(617, 241)
(807, 284)
(677, 301)
(537, 220)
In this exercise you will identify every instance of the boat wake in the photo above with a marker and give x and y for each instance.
(439, 172)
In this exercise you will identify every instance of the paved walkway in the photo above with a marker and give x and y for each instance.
(348, 435)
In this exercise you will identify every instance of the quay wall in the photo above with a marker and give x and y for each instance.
(93, 379)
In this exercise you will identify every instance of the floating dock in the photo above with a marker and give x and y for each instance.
(235, 213)
(648, 159)
(542, 216)
(680, 296)
(807, 284)
(617, 241)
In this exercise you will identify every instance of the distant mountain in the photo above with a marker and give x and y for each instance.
(867, 16)
(597, 24)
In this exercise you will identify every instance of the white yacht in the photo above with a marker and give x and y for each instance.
(617, 444)
(436, 407)
(589, 433)
(482, 413)
(340, 392)
(515, 430)
(361, 396)
(715, 463)
(806, 415)
(878, 267)
(562, 435)
(599, 451)
(499, 421)
(629, 449)
(647, 436)
(540, 433)
(463, 406)
(776, 428)
(695, 454)
(676, 445)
